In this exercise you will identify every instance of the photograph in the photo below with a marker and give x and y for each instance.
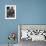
(10, 11)
(28, 33)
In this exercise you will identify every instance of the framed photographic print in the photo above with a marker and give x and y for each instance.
(10, 11)
(33, 32)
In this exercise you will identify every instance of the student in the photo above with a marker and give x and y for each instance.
(12, 12)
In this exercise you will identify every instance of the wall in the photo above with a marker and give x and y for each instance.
(28, 12)
(6, 26)
(31, 11)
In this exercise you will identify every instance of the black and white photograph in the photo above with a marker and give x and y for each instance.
(10, 11)
(31, 34)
